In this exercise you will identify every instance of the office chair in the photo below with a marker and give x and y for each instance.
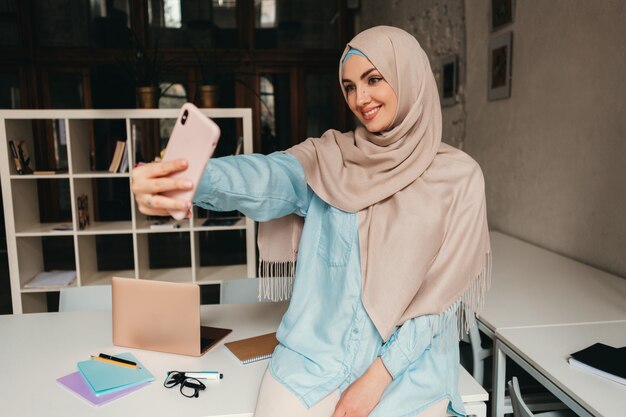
(520, 409)
(479, 354)
(90, 297)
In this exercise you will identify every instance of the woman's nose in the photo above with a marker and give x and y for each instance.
(362, 96)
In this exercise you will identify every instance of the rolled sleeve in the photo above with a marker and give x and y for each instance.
(407, 344)
(262, 187)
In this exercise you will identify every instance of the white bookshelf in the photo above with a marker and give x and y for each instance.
(25, 231)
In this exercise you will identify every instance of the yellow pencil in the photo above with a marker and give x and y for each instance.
(113, 362)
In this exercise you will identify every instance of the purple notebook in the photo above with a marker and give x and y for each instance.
(77, 384)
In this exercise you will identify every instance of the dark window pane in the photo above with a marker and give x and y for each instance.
(8, 23)
(71, 23)
(296, 24)
(61, 22)
(275, 112)
(10, 91)
(111, 87)
(321, 106)
(206, 23)
(111, 23)
(66, 89)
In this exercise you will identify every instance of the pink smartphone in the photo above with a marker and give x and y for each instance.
(194, 138)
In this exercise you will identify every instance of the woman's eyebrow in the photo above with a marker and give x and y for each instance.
(365, 74)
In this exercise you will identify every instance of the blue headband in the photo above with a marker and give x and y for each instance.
(351, 52)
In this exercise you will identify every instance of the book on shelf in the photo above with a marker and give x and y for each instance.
(83, 211)
(602, 360)
(21, 156)
(116, 161)
(239, 147)
(253, 349)
(50, 172)
(136, 134)
(52, 279)
(124, 162)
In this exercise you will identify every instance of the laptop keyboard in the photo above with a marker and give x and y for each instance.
(205, 341)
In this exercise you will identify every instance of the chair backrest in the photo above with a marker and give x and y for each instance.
(239, 291)
(520, 409)
(91, 297)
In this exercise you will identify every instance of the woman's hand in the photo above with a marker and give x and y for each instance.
(360, 398)
(151, 179)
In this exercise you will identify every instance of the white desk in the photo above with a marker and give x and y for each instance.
(535, 287)
(585, 393)
(36, 349)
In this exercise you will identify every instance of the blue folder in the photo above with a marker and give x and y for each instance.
(105, 377)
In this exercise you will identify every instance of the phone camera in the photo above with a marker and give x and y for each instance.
(183, 119)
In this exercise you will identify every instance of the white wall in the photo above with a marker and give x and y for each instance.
(554, 154)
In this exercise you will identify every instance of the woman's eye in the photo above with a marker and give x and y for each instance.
(348, 88)
(375, 80)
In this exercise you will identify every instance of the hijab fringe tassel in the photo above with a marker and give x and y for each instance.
(276, 284)
(463, 312)
(276, 280)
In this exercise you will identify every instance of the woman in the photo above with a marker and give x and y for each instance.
(394, 247)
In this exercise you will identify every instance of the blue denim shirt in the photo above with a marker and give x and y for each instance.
(327, 339)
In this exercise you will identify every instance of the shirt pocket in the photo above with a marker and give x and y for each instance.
(337, 236)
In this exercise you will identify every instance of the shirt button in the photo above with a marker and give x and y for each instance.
(355, 331)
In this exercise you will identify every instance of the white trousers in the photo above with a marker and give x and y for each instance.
(277, 401)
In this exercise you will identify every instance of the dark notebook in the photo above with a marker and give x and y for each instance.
(603, 360)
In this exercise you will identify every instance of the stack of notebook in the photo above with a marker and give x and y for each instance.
(253, 349)
(603, 360)
(99, 382)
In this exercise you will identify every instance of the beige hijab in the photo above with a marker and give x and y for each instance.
(423, 235)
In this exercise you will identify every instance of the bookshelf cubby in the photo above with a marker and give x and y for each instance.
(119, 240)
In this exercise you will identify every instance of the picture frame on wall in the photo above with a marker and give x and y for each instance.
(448, 87)
(499, 67)
(502, 13)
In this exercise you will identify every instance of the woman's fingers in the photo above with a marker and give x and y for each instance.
(160, 185)
(158, 205)
(161, 169)
(151, 180)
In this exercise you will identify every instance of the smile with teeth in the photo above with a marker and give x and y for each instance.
(370, 113)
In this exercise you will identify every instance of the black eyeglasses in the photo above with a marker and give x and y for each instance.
(189, 387)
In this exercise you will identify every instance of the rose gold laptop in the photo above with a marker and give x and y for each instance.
(161, 316)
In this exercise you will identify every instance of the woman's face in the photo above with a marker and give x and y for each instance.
(369, 96)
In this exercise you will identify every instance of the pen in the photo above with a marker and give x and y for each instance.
(114, 360)
(212, 375)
